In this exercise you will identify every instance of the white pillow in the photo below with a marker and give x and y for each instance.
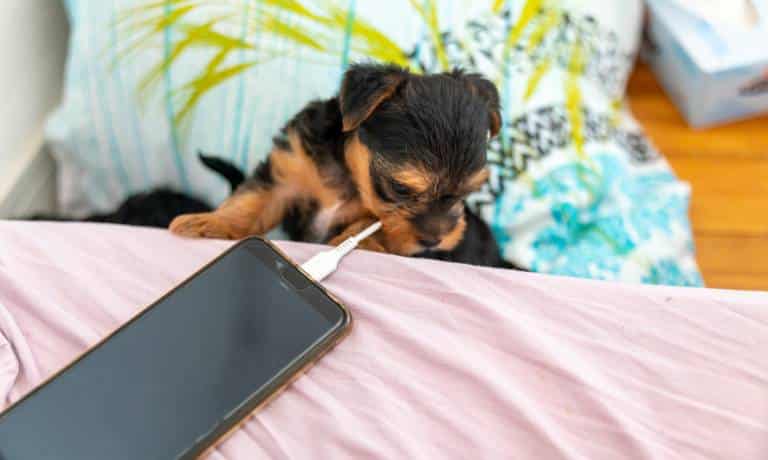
(575, 189)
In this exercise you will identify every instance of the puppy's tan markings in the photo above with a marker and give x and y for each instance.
(255, 209)
(413, 206)
(358, 159)
(300, 170)
(356, 115)
(454, 237)
(296, 169)
(349, 212)
(247, 212)
(415, 179)
(399, 233)
(477, 180)
(372, 243)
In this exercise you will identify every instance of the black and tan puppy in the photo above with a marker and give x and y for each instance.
(392, 146)
(477, 246)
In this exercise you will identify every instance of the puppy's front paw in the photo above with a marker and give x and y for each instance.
(205, 225)
(372, 244)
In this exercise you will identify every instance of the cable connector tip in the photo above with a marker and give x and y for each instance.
(321, 265)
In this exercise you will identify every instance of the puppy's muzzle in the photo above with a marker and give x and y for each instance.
(431, 228)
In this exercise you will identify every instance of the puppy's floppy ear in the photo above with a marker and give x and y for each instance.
(363, 88)
(487, 91)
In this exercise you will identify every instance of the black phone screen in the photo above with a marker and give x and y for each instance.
(171, 377)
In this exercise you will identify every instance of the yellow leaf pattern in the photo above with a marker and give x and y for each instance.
(573, 98)
(551, 19)
(428, 13)
(319, 26)
(538, 72)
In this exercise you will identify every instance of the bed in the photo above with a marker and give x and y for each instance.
(445, 360)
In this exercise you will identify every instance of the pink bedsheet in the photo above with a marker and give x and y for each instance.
(445, 360)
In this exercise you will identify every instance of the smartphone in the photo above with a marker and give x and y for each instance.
(186, 370)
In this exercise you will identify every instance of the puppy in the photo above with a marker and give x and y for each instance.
(391, 146)
(477, 246)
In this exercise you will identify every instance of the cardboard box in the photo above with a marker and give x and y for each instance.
(714, 71)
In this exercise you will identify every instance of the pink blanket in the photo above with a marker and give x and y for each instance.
(445, 360)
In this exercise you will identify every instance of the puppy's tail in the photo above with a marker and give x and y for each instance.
(227, 170)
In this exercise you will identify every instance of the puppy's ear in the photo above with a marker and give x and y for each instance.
(483, 87)
(363, 88)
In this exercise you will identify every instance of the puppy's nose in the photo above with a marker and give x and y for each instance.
(429, 242)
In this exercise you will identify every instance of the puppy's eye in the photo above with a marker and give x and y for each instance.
(449, 198)
(400, 190)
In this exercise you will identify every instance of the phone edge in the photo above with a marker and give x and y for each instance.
(342, 331)
(321, 349)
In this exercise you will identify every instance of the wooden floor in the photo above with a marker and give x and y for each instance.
(728, 169)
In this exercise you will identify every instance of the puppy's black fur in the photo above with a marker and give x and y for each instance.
(391, 146)
(155, 208)
(478, 247)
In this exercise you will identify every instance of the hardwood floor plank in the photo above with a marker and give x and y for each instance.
(721, 175)
(733, 254)
(736, 281)
(729, 213)
(727, 167)
(729, 196)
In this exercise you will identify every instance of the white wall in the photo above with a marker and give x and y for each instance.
(33, 37)
(33, 40)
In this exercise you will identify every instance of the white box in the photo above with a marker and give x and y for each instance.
(713, 71)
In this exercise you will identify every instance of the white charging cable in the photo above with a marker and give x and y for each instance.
(326, 262)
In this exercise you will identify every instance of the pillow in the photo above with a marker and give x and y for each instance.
(151, 82)
(575, 187)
